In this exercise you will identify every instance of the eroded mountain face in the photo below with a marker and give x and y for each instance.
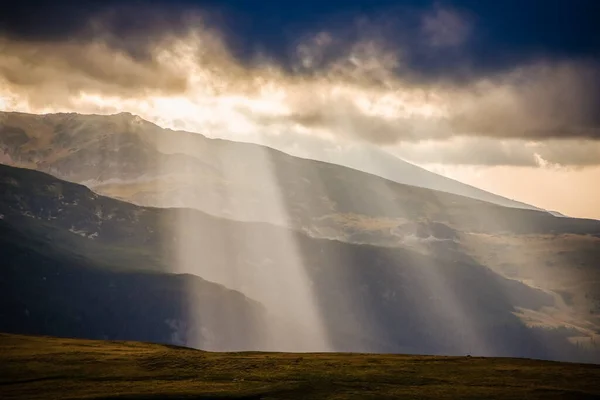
(383, 224)
(128, 158)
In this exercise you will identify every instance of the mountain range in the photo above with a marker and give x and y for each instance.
(21, 128)
(115, 228)
(125, 157)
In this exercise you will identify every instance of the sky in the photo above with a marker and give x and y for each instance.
(503, 95)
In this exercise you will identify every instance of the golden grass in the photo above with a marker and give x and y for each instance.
(45, 368)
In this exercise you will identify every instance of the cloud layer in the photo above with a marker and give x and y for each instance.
(354, 83)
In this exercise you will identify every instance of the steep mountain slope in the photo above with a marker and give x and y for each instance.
(45, 291)
(125, 157)
(366, 158)
(53, 282)
(105, 264)
(371, 159)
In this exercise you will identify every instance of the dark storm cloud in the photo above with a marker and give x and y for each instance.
(513, 152)
(52, 50)
(558, 100)
(131, 26)
(503, 69)
(51, 71)
(63, 20)
(508, 32)
(475, 151)
(535, 102)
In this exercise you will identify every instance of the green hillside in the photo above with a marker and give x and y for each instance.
(48, 368)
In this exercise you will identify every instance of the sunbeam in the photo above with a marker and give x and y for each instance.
(234, 197)
(253, 265)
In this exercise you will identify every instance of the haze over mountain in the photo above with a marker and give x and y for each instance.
(24, 130)
(369, 158)
(82, 265)
(356, 263)
(348, 179)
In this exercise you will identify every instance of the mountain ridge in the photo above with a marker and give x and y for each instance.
(282, 189)
(369, 263)
(370, 159)
(370, 298)
(413, 176)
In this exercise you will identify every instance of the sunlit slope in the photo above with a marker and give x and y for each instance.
(567, 265)
(372, 159)
(43, 368)
(60, 239)
(61, 142)
(125, 157)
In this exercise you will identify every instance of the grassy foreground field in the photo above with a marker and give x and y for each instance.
(54, 368)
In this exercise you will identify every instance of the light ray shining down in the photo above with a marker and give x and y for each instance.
(282, 287)
(194, 83)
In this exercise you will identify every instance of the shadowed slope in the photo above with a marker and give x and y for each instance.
(371, 298)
